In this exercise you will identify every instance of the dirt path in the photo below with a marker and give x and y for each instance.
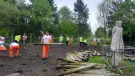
(30, 63)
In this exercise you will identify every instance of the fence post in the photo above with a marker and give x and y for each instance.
(12, 37)
(30, 38)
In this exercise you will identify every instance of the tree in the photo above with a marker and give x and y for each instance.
(107, 9)
(66, 25)
(65, 12)
(54, 12)
(9, 15)
(42, 11)
(126, 13)
(82, 13)
(99, 32)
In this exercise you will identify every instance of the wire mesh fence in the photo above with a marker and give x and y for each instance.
(31, 38)
(127, 54)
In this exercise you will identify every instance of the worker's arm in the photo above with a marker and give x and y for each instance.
(42, 40)
(50, 39)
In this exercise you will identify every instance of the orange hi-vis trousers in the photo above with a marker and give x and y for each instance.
(14, 49)
(45, 51)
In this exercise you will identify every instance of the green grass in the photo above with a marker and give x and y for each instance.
(99, 60)
(125, 70)
(96, 59)
(128, 63)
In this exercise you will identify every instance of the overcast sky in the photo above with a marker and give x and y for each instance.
(92, 5)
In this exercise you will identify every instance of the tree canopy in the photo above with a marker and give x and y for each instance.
(18, 18)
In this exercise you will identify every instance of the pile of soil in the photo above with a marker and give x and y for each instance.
(30, 62)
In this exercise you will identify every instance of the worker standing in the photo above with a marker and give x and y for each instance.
(67, 40)
(81, 41)
(70, 44)
(95, 42)
(60, 39)
(46, 39)
(85, 44)
(2, 47)
(98, 41)
(14, 47)
(24, 38)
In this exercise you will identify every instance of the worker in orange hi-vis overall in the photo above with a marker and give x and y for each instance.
(46, 39)
(14, 49)
(2, 47)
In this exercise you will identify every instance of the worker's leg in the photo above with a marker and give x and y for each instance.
(17, 50)
(43, 51)
(11, 51)
(47, 49)
(83, 45)
(66, 42)
(86, 46)
(80, 44)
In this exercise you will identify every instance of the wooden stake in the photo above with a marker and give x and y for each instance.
(76, 69)
(67, 60)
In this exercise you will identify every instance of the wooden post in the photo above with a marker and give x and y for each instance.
(67, 60)
(30, 38)
(12, 37)
(76, 69)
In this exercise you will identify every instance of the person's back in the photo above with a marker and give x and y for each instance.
(18, 38)
(60, 39)
(81, 39)
(14, 44)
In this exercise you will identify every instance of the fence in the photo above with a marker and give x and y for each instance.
(31, 38)
(127, 55)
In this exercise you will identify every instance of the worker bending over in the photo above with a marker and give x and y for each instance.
(46, 39)
(14, 49)
(2, 47)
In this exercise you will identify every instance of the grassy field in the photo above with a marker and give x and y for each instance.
(96, 59)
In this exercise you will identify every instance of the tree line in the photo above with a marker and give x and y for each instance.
(17, 17)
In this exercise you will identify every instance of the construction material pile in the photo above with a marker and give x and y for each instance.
(128, 57)
(74, 65)
(81, 56)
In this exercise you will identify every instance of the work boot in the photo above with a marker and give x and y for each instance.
(43, 58)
